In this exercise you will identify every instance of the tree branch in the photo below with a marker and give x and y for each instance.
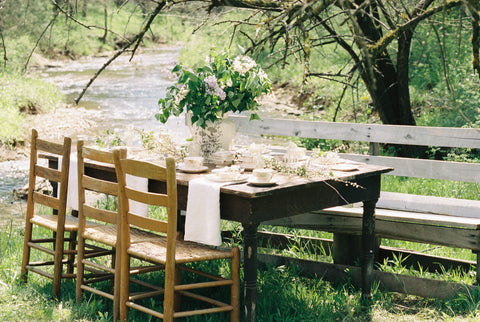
(137, 39)
(38, 40)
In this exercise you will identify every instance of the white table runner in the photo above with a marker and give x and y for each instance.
(202, 222)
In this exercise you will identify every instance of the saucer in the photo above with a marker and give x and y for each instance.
(253, 181)
(182, 167)
(238, 179)
(345, 167)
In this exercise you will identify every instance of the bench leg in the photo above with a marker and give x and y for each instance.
(368, 245)
(347, 249)
(477, 269)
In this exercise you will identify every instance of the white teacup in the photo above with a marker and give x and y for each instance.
(193, 163)
(222, 157)
(263, 175)
(228, 173)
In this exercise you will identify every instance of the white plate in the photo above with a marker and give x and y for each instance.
(254, 182)
(239, 179)
(345, 167)
(182, 167)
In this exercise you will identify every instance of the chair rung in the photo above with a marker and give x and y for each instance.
(144, 309)
(145, 284)
(205, 299)
(98, 292)
(201, 273)
(97, 253)
(192, 286)
(146, 269)
(43, 240)
(40, 272)
(99, 266)
(98, 279)
(44, 263)
(69, 275)
(142, 295)
(41, 248)
(202, 311)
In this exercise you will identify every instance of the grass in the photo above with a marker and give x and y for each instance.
(21, 96)
(283, 295)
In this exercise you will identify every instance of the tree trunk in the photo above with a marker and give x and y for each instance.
(387, 85)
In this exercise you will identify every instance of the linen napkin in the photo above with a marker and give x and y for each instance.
(202, 222)
(132, 181)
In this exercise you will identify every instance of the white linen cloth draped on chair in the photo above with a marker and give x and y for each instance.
(202, 222)
(134, 182)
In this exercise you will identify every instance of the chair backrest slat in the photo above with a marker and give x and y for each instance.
(50, 147)
(154, 199)
(47, 173)
(46, 200)
(97, 155)
(145, 170)
(147, 223)
(101, 186)
(103, 215)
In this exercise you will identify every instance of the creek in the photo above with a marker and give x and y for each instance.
(125, 95)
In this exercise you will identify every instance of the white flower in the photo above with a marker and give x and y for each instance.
(242, 64)
(262, 75)
(229, 82)
(213, 87)
(181, 95)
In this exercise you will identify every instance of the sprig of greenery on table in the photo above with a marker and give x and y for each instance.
(162, 144)
(301, 170)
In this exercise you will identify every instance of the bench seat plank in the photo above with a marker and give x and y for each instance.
(390, 224)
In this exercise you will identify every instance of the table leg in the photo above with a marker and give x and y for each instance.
(250, 270)
(368, 244)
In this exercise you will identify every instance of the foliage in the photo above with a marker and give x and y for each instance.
(22, 96)
(222, 85)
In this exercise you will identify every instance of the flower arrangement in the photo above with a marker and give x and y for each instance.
(222, 85)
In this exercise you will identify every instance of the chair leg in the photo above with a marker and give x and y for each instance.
(169, 295)
(177, 301)
(80, 267)
(71, 256)
(58, 265)
(124, 285)
(26, 250)
(235, 289)
(116, 263)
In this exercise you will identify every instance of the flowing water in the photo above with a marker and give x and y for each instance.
(125, 95)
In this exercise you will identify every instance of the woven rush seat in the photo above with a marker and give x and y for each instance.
(50, 222)
(185, 251)
(107, 234)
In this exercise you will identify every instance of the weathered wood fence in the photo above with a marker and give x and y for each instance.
(426, 219)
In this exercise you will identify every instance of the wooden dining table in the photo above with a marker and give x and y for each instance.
(292, 195)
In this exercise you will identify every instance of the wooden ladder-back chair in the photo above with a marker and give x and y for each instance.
(166, 249)
(104, 232)
(57, 221)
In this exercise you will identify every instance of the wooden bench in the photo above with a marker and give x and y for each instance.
(425, 219)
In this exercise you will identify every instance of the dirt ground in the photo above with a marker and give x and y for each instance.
(65, 120)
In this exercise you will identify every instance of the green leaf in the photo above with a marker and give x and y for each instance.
(254, 116)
